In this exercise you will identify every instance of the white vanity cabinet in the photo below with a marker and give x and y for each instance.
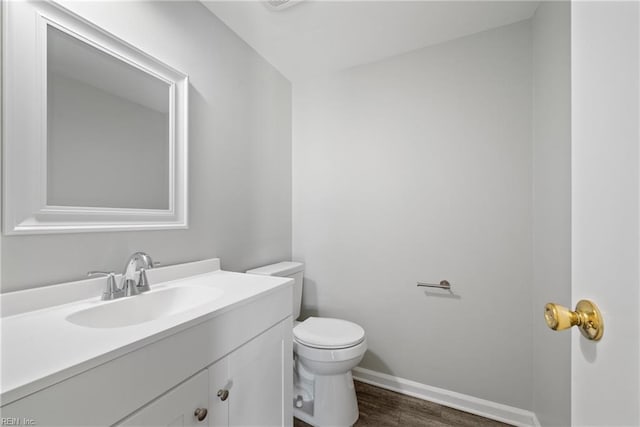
(242, 346)
(245, 388)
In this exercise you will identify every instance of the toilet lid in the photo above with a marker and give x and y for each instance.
(324, 332)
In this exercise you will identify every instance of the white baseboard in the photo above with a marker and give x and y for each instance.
(485, 408)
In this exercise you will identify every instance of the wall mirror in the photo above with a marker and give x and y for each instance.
(95, 130)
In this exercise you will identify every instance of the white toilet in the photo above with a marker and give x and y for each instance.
(325, 351)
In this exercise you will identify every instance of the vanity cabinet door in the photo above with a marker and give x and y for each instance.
(260, 387)
(177, 408)
(219, 385)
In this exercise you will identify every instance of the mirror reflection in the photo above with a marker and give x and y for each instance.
(108, 129)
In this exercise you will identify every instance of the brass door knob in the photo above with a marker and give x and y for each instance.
(201, 414)
(223, 394)
(586, 316)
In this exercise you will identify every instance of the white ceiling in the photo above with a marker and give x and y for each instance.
(315, 37)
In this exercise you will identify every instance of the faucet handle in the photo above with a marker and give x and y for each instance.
(143, 282)
(99, 273)
(111, 291)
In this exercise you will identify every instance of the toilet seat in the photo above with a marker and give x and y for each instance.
(331, 356)
(328, 333)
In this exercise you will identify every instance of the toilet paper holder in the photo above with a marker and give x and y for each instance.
(444, 284)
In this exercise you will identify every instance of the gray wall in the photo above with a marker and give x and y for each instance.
(239, 154)
(551, 29)
(418, 167)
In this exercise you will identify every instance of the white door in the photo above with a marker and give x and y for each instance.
(605, 187)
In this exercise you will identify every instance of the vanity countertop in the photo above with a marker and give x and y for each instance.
(40, 347)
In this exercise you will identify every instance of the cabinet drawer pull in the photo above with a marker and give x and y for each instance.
(201, 414)
(223, 394)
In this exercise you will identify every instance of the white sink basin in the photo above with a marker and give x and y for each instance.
(144, 307)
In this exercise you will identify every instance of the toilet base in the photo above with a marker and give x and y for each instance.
(334, 403)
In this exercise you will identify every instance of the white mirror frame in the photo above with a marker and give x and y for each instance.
(24, 137)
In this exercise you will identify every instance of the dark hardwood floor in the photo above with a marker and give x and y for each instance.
(384, 408)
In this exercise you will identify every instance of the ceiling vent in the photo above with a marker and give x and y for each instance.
(281, 4)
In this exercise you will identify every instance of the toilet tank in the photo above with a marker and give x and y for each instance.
(295, 270)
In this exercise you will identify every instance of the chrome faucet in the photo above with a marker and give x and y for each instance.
(138, 262)
(141, 262)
